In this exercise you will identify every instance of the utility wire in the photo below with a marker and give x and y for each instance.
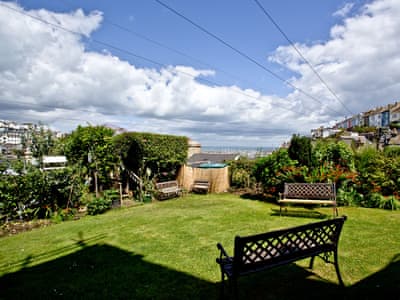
(241, 53)
(164, 46)
(126, 52)
(300, 54)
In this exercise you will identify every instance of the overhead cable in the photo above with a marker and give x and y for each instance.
(241, 53)
(300, 54)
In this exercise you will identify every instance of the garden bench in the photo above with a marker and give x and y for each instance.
(309, 194)
(201, 186)
(276, 248)
(167, 189)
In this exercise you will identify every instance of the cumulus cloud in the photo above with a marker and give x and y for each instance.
(360, 62)
(47, 74)
(344, 10)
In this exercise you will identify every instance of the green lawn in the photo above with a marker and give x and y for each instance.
(167, 250)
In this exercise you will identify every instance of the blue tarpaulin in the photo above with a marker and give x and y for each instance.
(212, 165)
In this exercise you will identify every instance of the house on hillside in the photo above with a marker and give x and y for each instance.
(385, 116)
(395, 113)
(358, 140)
(375, 117)
(323, 132)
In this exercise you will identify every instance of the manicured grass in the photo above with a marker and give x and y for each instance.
(167, 250)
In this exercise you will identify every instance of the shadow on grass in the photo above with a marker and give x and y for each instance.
(259, 197)
(384, 284)
(303, 213)
(288, 282)
(294, 282)
(101, 271)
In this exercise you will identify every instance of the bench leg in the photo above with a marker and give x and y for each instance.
(311, 262)
(235, 288)
(337, 269)
(222, 289)
(335, 211)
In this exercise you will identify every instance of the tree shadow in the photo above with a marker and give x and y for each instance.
(286, 282)
(294, 282)
(384, 284)
(102, 272)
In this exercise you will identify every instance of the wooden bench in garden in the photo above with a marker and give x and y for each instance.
(168, 189)
(267, 250)
(309, 194)
(201, 186)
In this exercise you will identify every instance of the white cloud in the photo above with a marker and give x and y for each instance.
(360, 62)
(344, 10)
(47, 74)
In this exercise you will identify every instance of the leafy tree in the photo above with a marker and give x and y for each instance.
(92, 149)
(130, 151)
(300, 149)
(40, 141)
(162, 154)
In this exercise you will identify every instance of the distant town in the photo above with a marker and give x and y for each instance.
(380, 124)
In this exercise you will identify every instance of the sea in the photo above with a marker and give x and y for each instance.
(249, 152)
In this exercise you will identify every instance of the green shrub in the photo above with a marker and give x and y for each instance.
(347, 195)
(33, 193)
(241, 173)
(334, 153)
(276, 169)
(112, 195)
(63, 215)
(99, 206)
(392, 151)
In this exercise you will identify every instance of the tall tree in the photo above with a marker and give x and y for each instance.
(300, 149)
(91, 147)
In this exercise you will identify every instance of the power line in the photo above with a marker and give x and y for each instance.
(241, 53)
(164, 46)
(130, 53)
(126, 52)
(300, 54)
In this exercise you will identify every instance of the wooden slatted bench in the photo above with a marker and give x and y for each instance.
(309, 194)
(201, 186)
(168, 189)
(267, 250)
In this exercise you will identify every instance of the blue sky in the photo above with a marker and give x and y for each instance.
(197, 86)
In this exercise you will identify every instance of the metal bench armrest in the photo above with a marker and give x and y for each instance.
(223, 255)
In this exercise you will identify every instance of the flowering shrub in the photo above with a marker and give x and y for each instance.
(368, 178)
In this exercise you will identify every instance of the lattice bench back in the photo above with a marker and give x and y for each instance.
(257, 252)
(166, 184)
(310, 191)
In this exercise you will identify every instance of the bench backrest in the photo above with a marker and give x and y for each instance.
(261, 251)
(310, 191)
(202, 182)
(166, 184)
